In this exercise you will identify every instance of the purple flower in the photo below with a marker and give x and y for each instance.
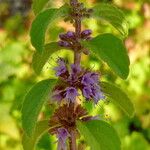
(97, 93)
(87, 91)
(75, 69)
(71, 93)
(62, 136)
(61, 68)
(95, 77)
(86, 80)
(90, 78)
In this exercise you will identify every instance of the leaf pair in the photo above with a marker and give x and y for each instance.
(106, 46)
(98, 134)
(40, 24)
(39, 93)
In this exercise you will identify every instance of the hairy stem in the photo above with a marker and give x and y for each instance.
(77, 54)
(77, 59)
(72, 140)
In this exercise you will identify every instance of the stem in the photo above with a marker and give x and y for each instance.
(77, 55)
(72, 140)
(77, 60)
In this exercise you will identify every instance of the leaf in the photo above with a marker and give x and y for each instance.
(40, 25)
(118, 97)
(39, 60)
(30, 142)
(99, 135)
(113, 15)
(111, 50)
(38, 5)
(33, 103)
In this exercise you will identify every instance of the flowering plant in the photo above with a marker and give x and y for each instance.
(70, 119)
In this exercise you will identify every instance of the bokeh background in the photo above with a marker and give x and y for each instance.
(17, 75)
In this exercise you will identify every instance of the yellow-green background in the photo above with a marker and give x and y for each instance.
(17, 75)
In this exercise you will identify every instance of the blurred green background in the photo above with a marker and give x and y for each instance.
(17, 75)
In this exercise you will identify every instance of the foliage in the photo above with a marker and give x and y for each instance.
(17, 77)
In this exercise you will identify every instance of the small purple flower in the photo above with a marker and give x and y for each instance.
(90, 78)
(86, 79)
(97, 93)
(95, 77)
(61, 68)
(75, 69)
(87, 91)
(71, 93)
(62, 136)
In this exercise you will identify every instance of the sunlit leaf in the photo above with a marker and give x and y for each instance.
(33, 103)
(99, 135)
(41, 22)
(111, 50)
(118, 97)
(113, 15)
(30, 142)
(39, 60)
(38, 5)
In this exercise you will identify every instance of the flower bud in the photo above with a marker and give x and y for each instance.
(63, 37)
(64, 44)
(86, 33)
(70, 34)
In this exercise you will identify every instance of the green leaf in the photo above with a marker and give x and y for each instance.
(99, 135)
(38, 5)
(118, 97)
(33, 103)
(39, 60)
(111, 50)
(41, 22)
(30, 142)
(113, 15)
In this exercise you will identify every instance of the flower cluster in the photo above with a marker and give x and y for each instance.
(63, 122)
(80, 11)
(71, 41)
(73, 79)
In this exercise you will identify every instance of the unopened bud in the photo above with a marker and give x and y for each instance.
(63, 37)
(70, 34)
(86, 33)
(64, 44)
